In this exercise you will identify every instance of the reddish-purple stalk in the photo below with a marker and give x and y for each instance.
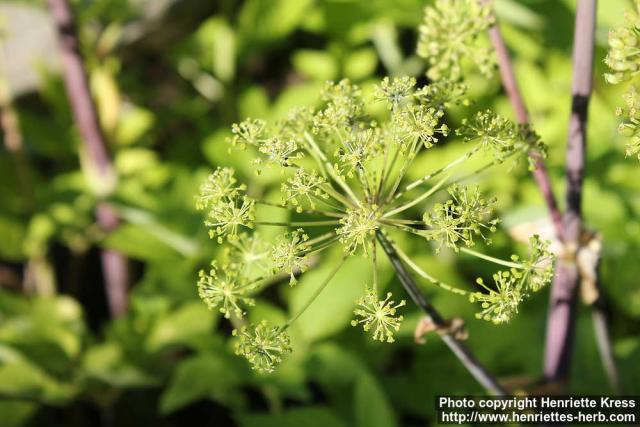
(510, 85)
(114, 264)
(561, 318)
(563, 303)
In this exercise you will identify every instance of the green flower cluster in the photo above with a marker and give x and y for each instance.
(452, 32)
(344, 176)
(623, 59)
(512, 286)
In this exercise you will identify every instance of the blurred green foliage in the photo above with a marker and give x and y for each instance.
(168, 89)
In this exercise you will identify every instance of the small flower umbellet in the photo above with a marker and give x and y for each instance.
(378, 316)
(623, 60)
(501, 304)
(262, 345)
(223, 289)
(450, 34)
(344, 171)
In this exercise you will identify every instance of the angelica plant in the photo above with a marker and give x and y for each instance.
(344, 182)
(623, 58)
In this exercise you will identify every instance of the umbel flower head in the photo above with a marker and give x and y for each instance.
(378, 316)
(512, 287)
(461, 219)
(345, 181)
(262, 345)
(501, 304)
(221, 288)
(623, 60)
(450, 33)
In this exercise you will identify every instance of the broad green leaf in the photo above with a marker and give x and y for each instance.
(360, 63)
(106, 363)
(133, 124)
(136, 242)
(181, 326)
(25, 380)
(202, 377)
(315, 64)
(333, 309)
(12, 234)
(371, 407)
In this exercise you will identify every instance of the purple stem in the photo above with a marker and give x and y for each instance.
(562, 306)
(510, 85)
(114, 265)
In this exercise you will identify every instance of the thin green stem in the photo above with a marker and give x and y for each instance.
(407, 260)
(307, 211)
(315, 295)
(435, 173)
(297, 223)
(417, 200)
(492, 259)
(374, 260)
(320, 238)
(330, 171)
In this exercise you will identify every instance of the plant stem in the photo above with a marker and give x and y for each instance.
(561, 317)
(465, 356)
(298, 223)
(422, 197)
(407, 260)
(114, 265)
(489, 258)
(513, 92)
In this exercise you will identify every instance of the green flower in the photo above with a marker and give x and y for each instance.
(226, 216)
(220, 185)
(623, 57)
(450, 34)
(537, 269)
(397, 92)
(378, 316)
(443, 93)
(262, 345)
(248, 132)
(222, 288)
(419, 123)
(461, 219)
(358, 227)
(303, 188)
(289, 254)
(492, 132)
(359, 148)
(501, 304)
(345, 177)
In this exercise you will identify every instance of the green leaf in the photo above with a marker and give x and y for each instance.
(219, 41)
(262, 21)
(133, 123)
(25, 380)
(106, 363)
(12, 234)
(315, 64)
(16, 413)
(204, 376)
(333, 309)
(187, 323)
(136, 242)
(308, 417)
(371, 407)
(360, 64)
